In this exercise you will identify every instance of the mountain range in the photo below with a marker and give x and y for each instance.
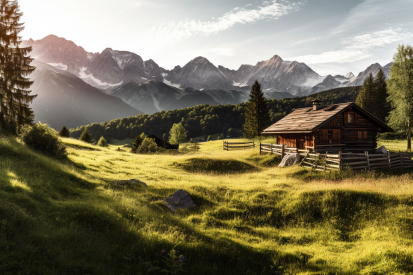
(147, 87)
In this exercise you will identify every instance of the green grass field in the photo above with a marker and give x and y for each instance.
(253, 217)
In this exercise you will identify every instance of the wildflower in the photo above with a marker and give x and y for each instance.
(182, 259)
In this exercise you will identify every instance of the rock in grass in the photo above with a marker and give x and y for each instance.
(381, 150)
(180, 200)
(289, 160)
(128, 182)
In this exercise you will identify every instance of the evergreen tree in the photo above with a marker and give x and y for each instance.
(366, 98)
(257, 117)
(177, 133)
(138, 141)
(400, 87)
(382, 105)
(64, 132)
(14, 67)
(102, 142)
(86, 136)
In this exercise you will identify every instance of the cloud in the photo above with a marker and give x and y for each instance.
(136, 4)
(175, 31)
(306, 40)
(358, 47)
(221, 51)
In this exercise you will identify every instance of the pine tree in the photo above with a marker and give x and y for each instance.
(14, 67)
(138, 142)
(382, 106)
(86, 136)
(257, 117)
(400, 87)
(366, 98)
(64, 132)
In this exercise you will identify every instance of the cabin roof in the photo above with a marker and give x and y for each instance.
(307, 120)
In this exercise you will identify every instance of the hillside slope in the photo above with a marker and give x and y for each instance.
(65, 100)
(70, 218)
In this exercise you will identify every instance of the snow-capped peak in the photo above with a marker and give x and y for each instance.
(350, 75)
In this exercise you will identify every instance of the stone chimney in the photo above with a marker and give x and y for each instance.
(317, 104)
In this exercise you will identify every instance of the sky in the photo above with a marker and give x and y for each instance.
(330, 36)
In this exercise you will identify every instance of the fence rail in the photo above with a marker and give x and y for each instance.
(357, 161)
(333, 161)
(238, 145)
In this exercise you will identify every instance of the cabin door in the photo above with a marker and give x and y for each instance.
(301, 144)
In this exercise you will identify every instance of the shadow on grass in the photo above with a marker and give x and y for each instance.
(217, 166)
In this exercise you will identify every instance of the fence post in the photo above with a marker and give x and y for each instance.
(282, 152)
(339, 161)
(325, 163)
(389, 159)
(401, 159)
(260, 148)
(367, 158)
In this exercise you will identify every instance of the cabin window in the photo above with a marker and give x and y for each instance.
(350, 118)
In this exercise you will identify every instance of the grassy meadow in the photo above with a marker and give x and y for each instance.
(67, 217)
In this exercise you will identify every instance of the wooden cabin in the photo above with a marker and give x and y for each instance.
(338, 127)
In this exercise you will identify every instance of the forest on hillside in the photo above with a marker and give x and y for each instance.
(206, 119)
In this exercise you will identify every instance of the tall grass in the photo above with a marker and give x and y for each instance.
(252, 217)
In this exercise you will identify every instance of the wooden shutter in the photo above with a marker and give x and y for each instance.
(365, 134)
(360, 134)
(336, 136)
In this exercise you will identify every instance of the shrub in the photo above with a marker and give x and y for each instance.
(64, 132)
(148, 146)
(209, 138)
(44, 139)
(102, 142)
(86, 136)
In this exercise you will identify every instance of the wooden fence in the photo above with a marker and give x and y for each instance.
(280, 149)
(327, 162)
(238, 145)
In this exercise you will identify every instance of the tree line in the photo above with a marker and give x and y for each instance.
(392, 101)
(203, 120)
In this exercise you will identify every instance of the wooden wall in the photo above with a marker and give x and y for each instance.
(295, 140)
(358, 136)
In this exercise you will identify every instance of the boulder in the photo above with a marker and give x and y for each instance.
(180, 200)
(381, 150)
(289, 160)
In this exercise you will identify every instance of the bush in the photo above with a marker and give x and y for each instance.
(148, 146)
(102, 142)
(209, 138)
(86, 136)
(44, 139)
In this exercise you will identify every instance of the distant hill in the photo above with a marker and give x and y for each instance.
(206, 119)
(66, 100)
